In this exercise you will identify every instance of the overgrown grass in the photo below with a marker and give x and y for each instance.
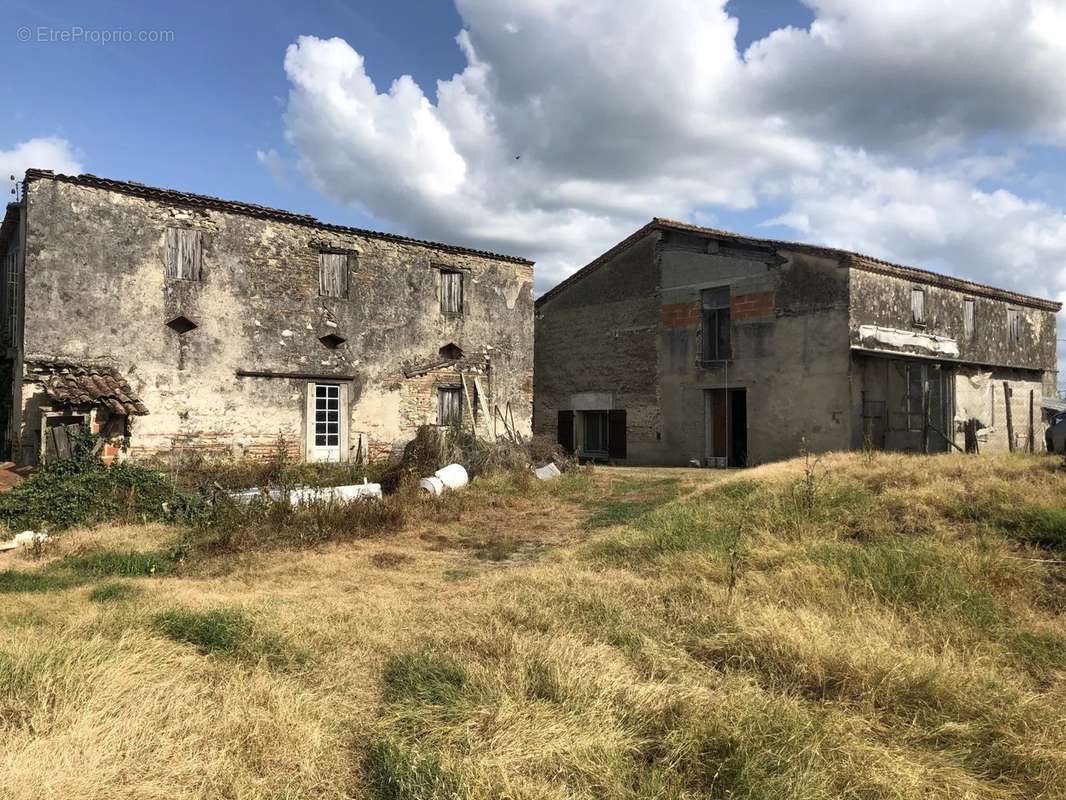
(883, 627)
(228, 632)
(113, 593)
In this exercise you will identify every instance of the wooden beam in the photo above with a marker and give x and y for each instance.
(1032, 430)
(1010, 417)
(298, 376)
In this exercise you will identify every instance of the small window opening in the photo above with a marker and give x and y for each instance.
(1014, 327)
(184, 254)
(449, 405)
(918, 305)
(968, 317)
(332, 340)
(181, 325)
(451, 352)
(451, 292)
(333, 274)
(716, 324)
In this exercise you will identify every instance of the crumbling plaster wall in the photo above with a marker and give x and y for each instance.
(987, 355)
(789, 326)
(598, 336)
(885, 300)
(95, 290)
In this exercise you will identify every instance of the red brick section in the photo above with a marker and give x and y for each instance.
(681, 315)
(750, 306)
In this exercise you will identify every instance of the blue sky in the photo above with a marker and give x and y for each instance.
(559, 126)
(191, 113)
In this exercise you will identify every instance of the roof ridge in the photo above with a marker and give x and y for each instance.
(252, 209)
(854, 259)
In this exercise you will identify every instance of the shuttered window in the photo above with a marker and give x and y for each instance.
(184, 254)
(969, 309)
(1014, 327)
(451, 292)
(449, 405)
(333, 274)
(918, 305)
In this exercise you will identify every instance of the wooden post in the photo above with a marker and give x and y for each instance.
(925, 418)
(1010, 417)
(1032, 430)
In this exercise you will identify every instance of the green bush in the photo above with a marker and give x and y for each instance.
(77, 492)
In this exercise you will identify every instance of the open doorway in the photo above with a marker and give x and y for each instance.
(725, 427)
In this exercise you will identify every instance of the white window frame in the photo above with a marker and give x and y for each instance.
(317, 452)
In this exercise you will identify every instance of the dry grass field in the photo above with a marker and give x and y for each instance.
(864, 627)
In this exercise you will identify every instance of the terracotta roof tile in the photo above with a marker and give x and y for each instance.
(71, 384)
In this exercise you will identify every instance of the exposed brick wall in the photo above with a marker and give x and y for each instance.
(681, 315)
(751, 306)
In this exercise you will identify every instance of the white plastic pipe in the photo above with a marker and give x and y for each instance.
(453, 476)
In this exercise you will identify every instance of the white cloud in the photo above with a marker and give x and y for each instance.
(41, 153)
(275, 164)
(914, 75)
(575, 121)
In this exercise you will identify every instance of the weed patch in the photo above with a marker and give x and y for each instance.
(225, 632)
(15, 581)
(424, 678)
(911, 573)
(395, 771)
(628, 500)
(107, 563)
(114, 593)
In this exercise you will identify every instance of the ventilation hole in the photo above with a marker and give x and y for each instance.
(332, 340)
(182, 325)
(451, 351)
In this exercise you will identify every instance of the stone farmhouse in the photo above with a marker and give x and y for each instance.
(173, 321)
(686, 344)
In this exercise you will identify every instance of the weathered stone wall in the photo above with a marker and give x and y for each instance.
(885, 300)
(789, 324)
(95, 290)
(599, 336)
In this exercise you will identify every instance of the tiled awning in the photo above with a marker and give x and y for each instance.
(71, 384)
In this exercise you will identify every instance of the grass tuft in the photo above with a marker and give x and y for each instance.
(398, 772)
(424, 678)
(114, 593)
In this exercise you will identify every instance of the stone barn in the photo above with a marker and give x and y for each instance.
(686, 344)
(173, 321)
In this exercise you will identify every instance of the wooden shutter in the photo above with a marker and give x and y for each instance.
(183, 259)
(566, 430)
(449, 406)
(968, 317)
(333, 274)
(918, 305)
(451, 292)
(616, 434)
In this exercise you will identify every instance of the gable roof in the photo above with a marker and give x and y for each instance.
(175, 197)
(846, 257)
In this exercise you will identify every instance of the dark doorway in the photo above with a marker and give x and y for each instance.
(738, 434)
(726, 427)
